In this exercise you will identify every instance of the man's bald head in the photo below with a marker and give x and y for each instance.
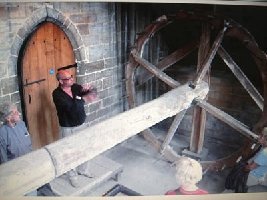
(63, 74)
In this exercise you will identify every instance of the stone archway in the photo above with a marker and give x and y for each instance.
(44, 14)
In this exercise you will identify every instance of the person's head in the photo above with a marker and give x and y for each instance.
(9, 113)
(188, 171)
(263, 137)
(65, 78)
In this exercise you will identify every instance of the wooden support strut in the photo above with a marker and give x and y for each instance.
(28, 172)
(237, 125)
(157, 72)
(206, 65)
(253, 92)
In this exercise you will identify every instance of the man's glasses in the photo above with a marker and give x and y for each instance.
(67, 78)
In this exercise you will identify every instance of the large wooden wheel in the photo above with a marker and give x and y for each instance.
(208, 46)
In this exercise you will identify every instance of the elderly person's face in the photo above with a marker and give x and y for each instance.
(65, 78)
(14, 115)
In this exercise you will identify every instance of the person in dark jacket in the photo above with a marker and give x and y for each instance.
(69, 99)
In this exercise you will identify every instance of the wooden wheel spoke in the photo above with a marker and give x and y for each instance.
(155, 71)
(228, 119)
(253, 92)
(176, 122)
(168, 61)
(206, 64)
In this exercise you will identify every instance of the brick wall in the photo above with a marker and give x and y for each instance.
(91, 28)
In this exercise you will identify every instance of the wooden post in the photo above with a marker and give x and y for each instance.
(33, 170)
(199, 115)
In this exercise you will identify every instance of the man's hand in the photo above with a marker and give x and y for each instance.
(250, 166)
(90, 93)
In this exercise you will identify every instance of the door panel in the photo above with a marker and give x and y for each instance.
(47, 50)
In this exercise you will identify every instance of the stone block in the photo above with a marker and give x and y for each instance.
(90, 117)
(12, 65)
(15, 97)
(103, 94)
(92, 67)
(102, 112)
(107, 82)
(4, 99)
(70, 7)
(9, 85)
(52, 13)
(17, 43)
(17, 11)
(95, 53)
(86, 78)
(80, 18)
(107, 101)
(4, 52)
(94, 106)
(3, 69)
(110, 62)
(83, 29)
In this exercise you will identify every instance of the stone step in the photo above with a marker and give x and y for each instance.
(102, 189)
(101, 169)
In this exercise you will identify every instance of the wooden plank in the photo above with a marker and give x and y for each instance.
(155, 71)
(76, 149)
(228, 119)
(245, 82)
(168, 153)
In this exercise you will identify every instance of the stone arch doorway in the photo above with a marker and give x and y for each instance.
(46, 49)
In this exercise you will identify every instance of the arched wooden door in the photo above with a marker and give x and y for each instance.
(46, 50)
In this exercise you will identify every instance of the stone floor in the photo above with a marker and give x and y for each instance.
(147, 173)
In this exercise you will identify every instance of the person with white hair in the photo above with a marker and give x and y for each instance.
(188, 174)
(257, 166)
(15, 139)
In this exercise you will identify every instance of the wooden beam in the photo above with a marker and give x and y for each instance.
(168, 61)
(155, 71)
(245, 82)
(169, 153)
(206, 65)
(177, 120)
(33, 170)
(228, 119)
(199, 114)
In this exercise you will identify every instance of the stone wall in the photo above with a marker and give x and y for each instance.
(91, 28)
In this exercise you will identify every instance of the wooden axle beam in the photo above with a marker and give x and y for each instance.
(28, 172)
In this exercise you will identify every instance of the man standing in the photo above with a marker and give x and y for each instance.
(69, 99)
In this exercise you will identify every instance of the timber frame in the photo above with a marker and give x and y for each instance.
(206, 53)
